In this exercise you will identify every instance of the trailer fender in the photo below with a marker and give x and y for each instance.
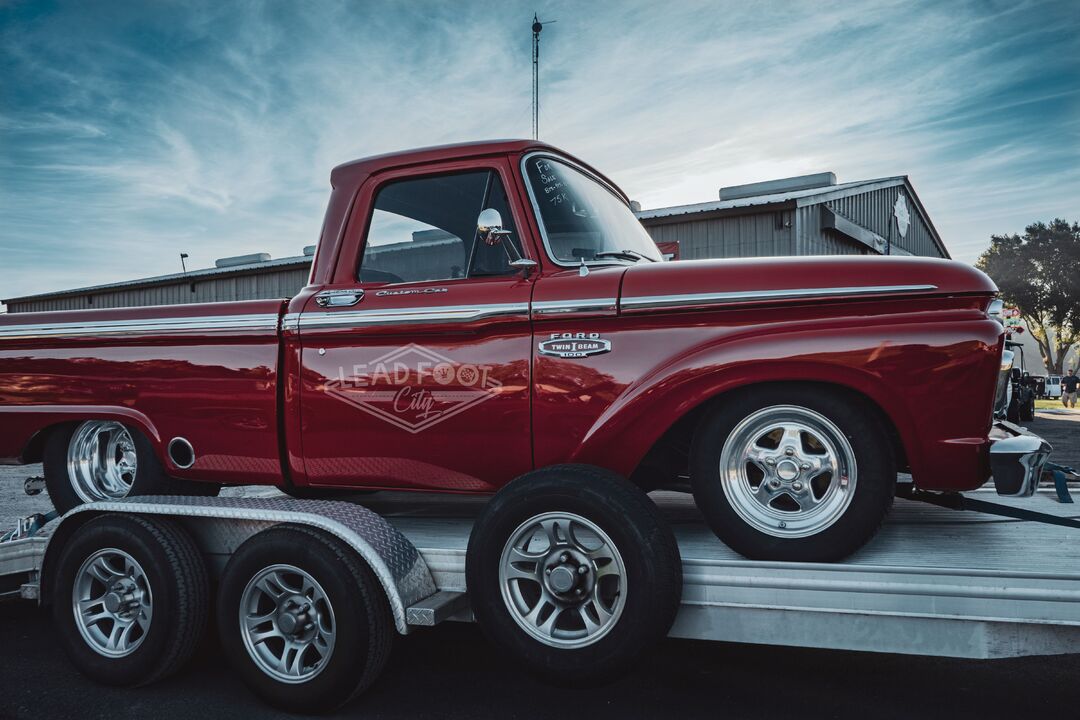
(220, 525)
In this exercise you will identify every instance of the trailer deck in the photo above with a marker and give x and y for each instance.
(933, 582)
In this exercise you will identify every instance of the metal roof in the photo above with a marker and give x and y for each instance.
(773, 199)
(191, 276)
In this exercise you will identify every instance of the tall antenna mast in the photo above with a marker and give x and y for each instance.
(537, 26)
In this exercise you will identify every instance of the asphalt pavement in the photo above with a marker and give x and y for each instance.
(451, 672)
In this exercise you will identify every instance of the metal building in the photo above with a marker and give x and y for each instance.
(807, 215)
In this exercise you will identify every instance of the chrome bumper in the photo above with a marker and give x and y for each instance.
(1017, 458)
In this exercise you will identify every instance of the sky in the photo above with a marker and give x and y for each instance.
(131, 132)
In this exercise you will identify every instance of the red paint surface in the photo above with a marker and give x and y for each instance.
(928, 361)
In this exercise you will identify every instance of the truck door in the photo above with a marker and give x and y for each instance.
(416, 361)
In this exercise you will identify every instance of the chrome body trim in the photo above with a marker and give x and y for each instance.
(405, 316)
(557, 307)
(141, 327)
(646, 302)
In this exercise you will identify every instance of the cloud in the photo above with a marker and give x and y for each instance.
(132, 132)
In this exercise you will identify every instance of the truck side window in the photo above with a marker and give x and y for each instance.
(425, 229)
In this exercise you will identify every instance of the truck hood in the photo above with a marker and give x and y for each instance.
(692, 283)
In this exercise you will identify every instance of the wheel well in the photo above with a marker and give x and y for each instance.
(667, 462)
(34, 452)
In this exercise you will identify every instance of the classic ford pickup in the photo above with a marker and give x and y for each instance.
(477, 312)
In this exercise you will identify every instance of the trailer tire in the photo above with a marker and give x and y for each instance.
(76, 471)
(611, 544)
(348, 613)
(164, 581)
(823, 465)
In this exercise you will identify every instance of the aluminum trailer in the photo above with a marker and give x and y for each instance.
(933, 582)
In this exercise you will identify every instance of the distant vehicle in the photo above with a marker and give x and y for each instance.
(1053, 387)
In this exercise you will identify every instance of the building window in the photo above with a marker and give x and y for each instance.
(425, 229)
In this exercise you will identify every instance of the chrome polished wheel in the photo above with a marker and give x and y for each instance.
(287, 623)
(112, 602)
(562, 579)
(788, 471)
(101, 461)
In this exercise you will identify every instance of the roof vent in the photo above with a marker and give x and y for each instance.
(242, 260)
(309, 251)
(773, 187)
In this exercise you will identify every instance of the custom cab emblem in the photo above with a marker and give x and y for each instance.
(574, 345)
(411, 291)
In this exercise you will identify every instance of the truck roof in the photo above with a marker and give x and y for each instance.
(354, 172)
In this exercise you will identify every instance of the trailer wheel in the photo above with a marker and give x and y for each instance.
(572, 571)
(130, 599)
(303, 619)
(106, 460)
(793, 473)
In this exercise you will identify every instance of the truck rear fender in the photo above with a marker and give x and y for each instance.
(220, 525)
(38, 421)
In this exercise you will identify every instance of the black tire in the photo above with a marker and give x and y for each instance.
(1027, 410)
(860, 519)
(363, 621)
(179, 588)
(641, 536)
(150, 476)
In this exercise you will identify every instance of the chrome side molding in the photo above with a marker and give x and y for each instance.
(141, 327)
(649, 302)
(402, 316)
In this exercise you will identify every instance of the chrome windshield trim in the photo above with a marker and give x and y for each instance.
(141, 327)
(558, 307)
(395, 316)
(665, 301)
(540, 219)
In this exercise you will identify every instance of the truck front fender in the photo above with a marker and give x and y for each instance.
(889, 365)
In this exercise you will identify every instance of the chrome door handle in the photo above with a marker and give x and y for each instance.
(339, 298)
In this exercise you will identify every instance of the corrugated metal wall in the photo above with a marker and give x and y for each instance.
(751, 235)
(874, 211)
(276, 283)
(810, 239)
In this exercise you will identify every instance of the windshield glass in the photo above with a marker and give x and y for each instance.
(583, 219)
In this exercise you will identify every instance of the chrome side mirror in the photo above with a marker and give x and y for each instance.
(490, 227)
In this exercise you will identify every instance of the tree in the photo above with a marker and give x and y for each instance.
(1039, 273)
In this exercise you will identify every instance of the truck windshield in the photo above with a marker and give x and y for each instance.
(582, 219)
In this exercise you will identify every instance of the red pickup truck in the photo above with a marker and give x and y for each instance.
(478, 312)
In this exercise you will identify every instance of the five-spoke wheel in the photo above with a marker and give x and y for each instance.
(793, 472)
